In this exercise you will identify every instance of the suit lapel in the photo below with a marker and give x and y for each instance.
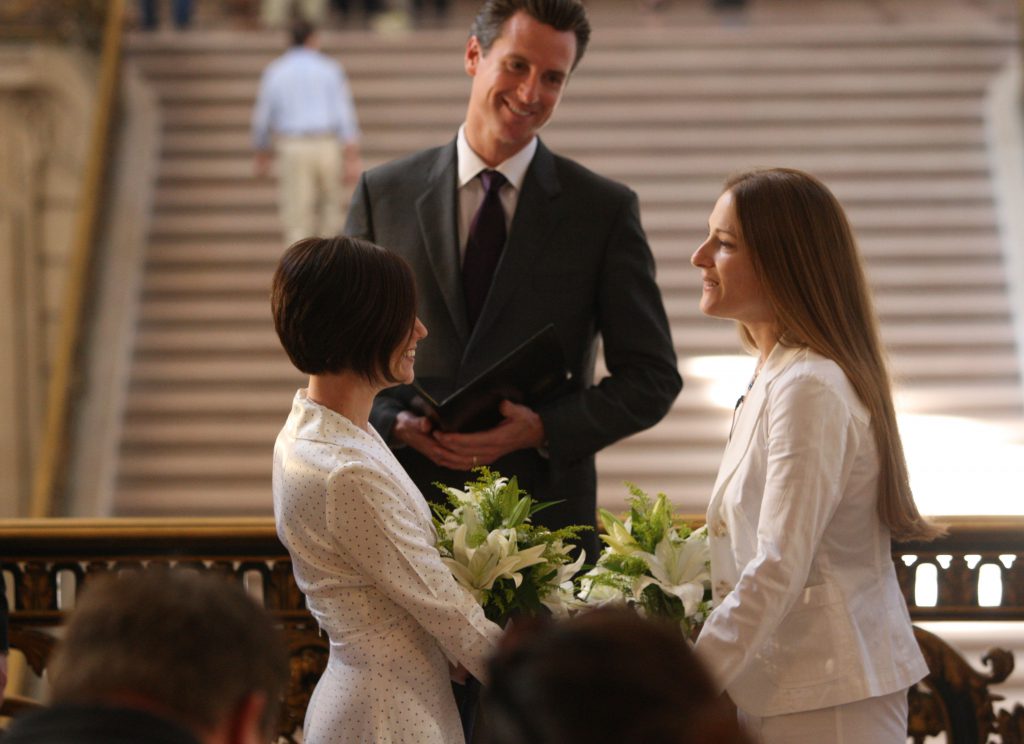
(531, 224)
(749, 414)
(437, 216)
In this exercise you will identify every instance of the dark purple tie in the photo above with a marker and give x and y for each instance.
(483, 248)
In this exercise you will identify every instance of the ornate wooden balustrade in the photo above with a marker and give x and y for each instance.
(45, 563)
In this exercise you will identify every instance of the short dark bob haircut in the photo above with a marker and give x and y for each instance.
(562, 15)
(343, 304)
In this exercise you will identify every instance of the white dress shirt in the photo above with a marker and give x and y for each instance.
(471, 190)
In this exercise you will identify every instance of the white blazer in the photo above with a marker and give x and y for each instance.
(808, 610)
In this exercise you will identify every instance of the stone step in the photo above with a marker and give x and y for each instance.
(161, 432)
(227, 464)
(602, 114)
(891, 117)
(251, 195)
(199, 497)
(264, 251)
(687, 54)
(888, 278)
(902, 138)
(822, 38)
(667, 218)
(157, 341)
(966, 161)
(453, 88)
(272, 368)
(896, 273)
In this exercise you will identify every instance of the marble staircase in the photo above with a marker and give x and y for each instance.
(888, 111)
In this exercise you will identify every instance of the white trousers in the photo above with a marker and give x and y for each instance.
(878, 720)
(309, 178)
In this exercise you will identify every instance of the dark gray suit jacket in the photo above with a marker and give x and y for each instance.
(577, 257)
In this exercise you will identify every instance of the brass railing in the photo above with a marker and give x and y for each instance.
(62, 383)
(46, 561)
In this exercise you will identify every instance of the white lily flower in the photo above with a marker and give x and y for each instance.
(598, 594)
(618, 536)
(464, 497)
(565, 571)
(561, 600)
(679, 567)
(477, 568)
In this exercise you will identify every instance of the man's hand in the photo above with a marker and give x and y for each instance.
(521, 428)
(415, 431)
(261, 165)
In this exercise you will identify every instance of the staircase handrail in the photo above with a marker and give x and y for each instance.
(48, 467)
(46, 562)
(255, 539)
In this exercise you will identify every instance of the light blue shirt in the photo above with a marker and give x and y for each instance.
(303, 92)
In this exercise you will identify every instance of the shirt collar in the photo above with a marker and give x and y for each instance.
(470, 164)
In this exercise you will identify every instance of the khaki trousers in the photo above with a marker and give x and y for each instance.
(309, 178)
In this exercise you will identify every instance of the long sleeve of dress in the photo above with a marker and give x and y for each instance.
(374, 525)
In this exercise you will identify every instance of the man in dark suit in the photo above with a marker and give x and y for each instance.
(575, 256)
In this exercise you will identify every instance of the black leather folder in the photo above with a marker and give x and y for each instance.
(528, 374)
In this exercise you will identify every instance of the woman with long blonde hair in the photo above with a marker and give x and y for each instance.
(810, 634)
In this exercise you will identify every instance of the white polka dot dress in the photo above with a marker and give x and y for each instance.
(362, 545)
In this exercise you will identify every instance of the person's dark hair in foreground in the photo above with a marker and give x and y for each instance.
(162, 656)
(605, 677)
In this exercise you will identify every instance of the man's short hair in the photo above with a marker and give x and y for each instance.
(194, 645)
(562, 15)
(343, 304)
(301, 30)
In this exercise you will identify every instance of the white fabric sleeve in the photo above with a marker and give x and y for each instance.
(375, 526)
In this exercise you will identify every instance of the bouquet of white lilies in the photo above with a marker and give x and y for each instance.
(511, 566)
(651, 563)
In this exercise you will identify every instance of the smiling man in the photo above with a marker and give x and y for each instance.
(505, 238)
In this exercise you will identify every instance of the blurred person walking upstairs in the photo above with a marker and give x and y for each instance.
(305, 112)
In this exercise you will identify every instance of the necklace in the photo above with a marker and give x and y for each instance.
(753, 379)
(739, 402)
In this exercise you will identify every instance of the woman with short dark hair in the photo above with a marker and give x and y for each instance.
(359, 532)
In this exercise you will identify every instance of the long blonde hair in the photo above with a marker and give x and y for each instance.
(805, 255)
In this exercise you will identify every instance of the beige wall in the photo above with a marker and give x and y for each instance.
(45, 109)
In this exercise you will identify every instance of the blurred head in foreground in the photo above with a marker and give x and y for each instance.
(605, 676)
(168, 647)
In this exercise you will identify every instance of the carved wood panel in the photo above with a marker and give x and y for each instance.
(46, 562)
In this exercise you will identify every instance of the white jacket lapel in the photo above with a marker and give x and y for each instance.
(749, 413)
